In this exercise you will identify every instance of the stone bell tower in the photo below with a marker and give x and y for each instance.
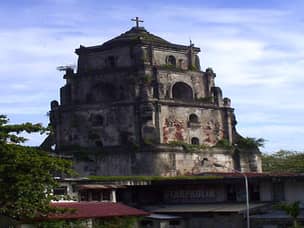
(140, 105)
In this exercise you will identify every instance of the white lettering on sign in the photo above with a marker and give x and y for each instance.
(199, 195)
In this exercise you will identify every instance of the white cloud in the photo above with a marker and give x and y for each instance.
(258, 55)
(232, 15)
(277, 136)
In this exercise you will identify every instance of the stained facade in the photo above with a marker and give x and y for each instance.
(138, 104)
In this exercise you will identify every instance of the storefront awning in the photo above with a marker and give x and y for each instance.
(204, 208)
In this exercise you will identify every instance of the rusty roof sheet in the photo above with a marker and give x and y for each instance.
(86, 210)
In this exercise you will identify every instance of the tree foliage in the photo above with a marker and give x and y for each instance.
(114, 222)
(62, 224)
(26, 173)
(283, 161)
(9, 133)
(249, 143)
(292, 209)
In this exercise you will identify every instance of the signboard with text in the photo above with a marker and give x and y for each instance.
(190, 195)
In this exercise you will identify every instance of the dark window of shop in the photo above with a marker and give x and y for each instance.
(95, 195)
(84, 196)
(60, 190)
(231, 192)
(174, 223)
(254, 192)
(106, 195)
(278, 191)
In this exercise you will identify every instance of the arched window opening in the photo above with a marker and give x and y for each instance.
(171, 60)
(181, 91)
(193, 118)
(195, 141)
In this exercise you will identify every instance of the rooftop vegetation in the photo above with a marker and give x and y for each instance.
(152, 178)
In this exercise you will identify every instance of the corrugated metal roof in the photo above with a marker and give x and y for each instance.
(99, 186)
(250, 174)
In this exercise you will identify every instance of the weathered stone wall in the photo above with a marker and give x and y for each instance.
(250, 160)
(168, 79)
(176, 125)
(161, 58)
(164, 161)
(101, 87)
(116, 57)
(131, 93)
(105, 163)
(95, 125)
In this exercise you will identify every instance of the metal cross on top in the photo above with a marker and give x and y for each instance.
(137, 20)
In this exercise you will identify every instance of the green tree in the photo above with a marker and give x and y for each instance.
(9, 133)
(26, 173)
(283, 161)
(62, 224)
(293, 210)
(116, 222)
(249, 143)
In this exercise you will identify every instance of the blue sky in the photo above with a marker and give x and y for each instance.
(255, 47)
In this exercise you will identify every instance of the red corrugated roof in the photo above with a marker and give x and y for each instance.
(85, 210)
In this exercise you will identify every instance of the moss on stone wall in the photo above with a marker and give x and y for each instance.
(192, 68)
(188, 147)
(205, 99)
(224, 143)
(171, 68)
